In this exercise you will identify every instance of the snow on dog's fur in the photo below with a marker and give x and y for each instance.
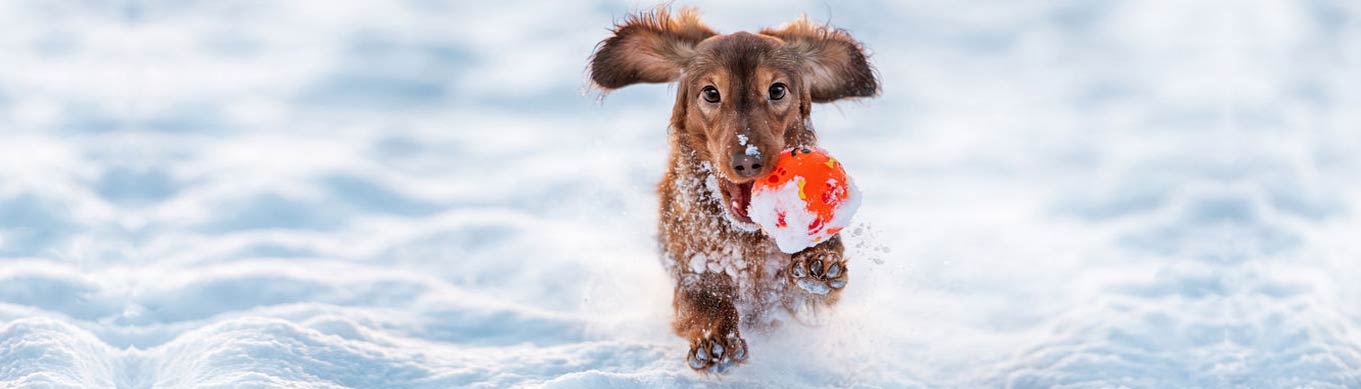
(741, 99)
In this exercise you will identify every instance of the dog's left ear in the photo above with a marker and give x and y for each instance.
(834, 65)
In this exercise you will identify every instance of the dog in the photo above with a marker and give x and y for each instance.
(741, 99)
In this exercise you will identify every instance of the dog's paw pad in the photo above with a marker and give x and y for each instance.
(834, 270)
(813, 286)
(695, 362)
(818, 276)
(837, 284)
(739, 352)
(799, 270)
(716, 354)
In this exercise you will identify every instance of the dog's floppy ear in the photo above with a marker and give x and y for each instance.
(833, 63)
(648, 47)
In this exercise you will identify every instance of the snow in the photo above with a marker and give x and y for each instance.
(418, 194)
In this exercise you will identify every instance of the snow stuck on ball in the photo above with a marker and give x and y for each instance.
(805, 200)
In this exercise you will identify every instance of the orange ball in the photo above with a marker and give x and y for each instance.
(806, 199)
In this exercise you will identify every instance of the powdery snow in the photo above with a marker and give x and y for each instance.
(751, 149)
(417, 195)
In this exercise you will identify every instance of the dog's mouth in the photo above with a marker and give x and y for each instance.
(737, 198)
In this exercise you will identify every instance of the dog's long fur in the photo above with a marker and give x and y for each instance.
(728, 275)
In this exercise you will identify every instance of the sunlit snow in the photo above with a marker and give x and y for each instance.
(1141, 194)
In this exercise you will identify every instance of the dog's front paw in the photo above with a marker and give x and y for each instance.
(818, 272)
(716, 353)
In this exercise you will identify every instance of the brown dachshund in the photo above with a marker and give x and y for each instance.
(741, 99)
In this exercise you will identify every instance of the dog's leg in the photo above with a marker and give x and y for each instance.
(706, 316)
(820, 269)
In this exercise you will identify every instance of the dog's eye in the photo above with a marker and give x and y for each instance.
(710, 94)
(777, 91)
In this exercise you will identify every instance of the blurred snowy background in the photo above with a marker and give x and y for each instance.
(1140, 194)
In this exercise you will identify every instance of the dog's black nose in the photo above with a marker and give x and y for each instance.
(746, 165)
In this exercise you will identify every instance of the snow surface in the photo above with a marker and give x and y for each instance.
(1140, 194)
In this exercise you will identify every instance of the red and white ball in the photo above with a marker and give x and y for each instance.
(807, 199)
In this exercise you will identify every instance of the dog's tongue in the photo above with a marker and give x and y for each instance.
(742, 200)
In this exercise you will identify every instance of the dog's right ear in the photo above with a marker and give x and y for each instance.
(648, 47)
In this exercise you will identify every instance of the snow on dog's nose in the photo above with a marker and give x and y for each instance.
(747, 161)
(746, 164)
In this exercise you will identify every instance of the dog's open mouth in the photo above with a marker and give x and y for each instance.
(738, 198)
